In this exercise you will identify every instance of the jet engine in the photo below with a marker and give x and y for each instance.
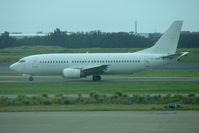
(71, 73)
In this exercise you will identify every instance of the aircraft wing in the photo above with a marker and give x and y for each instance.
(92, 70)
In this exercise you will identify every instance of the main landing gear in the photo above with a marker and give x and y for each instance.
(30, 78)
(96, 77)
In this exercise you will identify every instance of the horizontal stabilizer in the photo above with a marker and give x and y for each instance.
(174, 56)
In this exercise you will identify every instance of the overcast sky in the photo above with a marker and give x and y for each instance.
(29, 16)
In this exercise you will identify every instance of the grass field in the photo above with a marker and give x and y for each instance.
(100, 107)
(167, 74)
(10, 55)
(103, 87)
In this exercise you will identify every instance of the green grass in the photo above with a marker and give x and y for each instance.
(10, 74)
(10, 55)
(100, 107)
(167, 74)
(103, 87)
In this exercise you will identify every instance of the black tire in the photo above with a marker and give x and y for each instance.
(99, 78)
(96, 78)
(30, 78)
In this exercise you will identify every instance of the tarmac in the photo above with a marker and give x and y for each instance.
(100, 122)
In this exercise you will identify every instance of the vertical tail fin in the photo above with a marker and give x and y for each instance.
(168, 42)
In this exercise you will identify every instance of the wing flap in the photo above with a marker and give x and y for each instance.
(95, 70)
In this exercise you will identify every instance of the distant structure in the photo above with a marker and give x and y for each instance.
(136, 27)
(146, 35)
(20, 35)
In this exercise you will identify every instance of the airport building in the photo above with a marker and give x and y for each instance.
(20, 35)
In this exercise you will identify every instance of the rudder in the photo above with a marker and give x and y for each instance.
(168, 42)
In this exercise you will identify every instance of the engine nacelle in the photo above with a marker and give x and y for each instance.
(71, 73)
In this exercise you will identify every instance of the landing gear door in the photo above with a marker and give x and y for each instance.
(35, 62)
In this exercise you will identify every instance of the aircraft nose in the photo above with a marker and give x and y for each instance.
(12, 67)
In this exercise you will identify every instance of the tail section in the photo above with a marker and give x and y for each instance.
(168, 42)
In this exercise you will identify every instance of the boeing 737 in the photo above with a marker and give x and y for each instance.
(96, 64)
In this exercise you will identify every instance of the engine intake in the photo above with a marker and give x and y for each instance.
(71, 73)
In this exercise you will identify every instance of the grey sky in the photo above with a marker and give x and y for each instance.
(30, 16)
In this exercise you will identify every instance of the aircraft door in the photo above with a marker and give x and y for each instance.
(147, 63)
(35, 62)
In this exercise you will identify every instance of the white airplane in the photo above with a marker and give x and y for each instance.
(96, 64)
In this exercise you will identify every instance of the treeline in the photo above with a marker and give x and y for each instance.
(95, 39)
(98, 98)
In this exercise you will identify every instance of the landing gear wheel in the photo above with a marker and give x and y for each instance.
(96, 78)
(30, 78)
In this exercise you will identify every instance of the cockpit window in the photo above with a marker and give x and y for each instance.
(22, 61)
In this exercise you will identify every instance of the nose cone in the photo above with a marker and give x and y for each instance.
(12, 67)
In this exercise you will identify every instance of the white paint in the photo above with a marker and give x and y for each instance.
(163, 52)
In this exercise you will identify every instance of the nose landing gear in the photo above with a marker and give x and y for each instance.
(30, 78)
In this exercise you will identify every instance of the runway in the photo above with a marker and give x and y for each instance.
(115, 78)
(100, 122)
